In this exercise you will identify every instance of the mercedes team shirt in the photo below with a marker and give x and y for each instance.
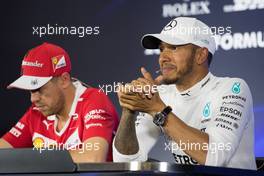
(220, 107)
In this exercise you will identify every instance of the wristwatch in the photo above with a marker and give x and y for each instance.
(160, 117)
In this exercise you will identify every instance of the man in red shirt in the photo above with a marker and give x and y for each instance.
(64, 114)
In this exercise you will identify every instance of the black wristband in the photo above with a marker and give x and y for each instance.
(166, 111)
(160, 118)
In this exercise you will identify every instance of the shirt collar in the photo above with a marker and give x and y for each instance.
(195, 89)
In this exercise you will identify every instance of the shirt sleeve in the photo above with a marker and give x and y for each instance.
(147, 134)
(100, 119)
(19, 136)
(232, 112)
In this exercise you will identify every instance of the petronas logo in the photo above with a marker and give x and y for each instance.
(206, 110)
(236, 88)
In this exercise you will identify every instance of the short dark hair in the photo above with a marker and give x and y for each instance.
(209, 58)
(54, 79)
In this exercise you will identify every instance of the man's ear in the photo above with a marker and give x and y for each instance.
(202, 54)
(65, 79)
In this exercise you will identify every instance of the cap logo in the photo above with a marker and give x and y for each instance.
(32, 64)
(58, 62)
(171, 25)
(34, 82)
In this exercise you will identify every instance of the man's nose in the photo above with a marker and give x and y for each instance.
(34, 97)
(164, 57)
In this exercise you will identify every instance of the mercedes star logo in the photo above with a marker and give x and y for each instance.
(171, 25)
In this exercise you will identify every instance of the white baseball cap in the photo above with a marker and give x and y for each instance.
(180, 31)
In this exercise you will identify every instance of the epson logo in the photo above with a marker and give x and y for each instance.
(243, 5)
(185, 9)
(240, 40)
(231, 111)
